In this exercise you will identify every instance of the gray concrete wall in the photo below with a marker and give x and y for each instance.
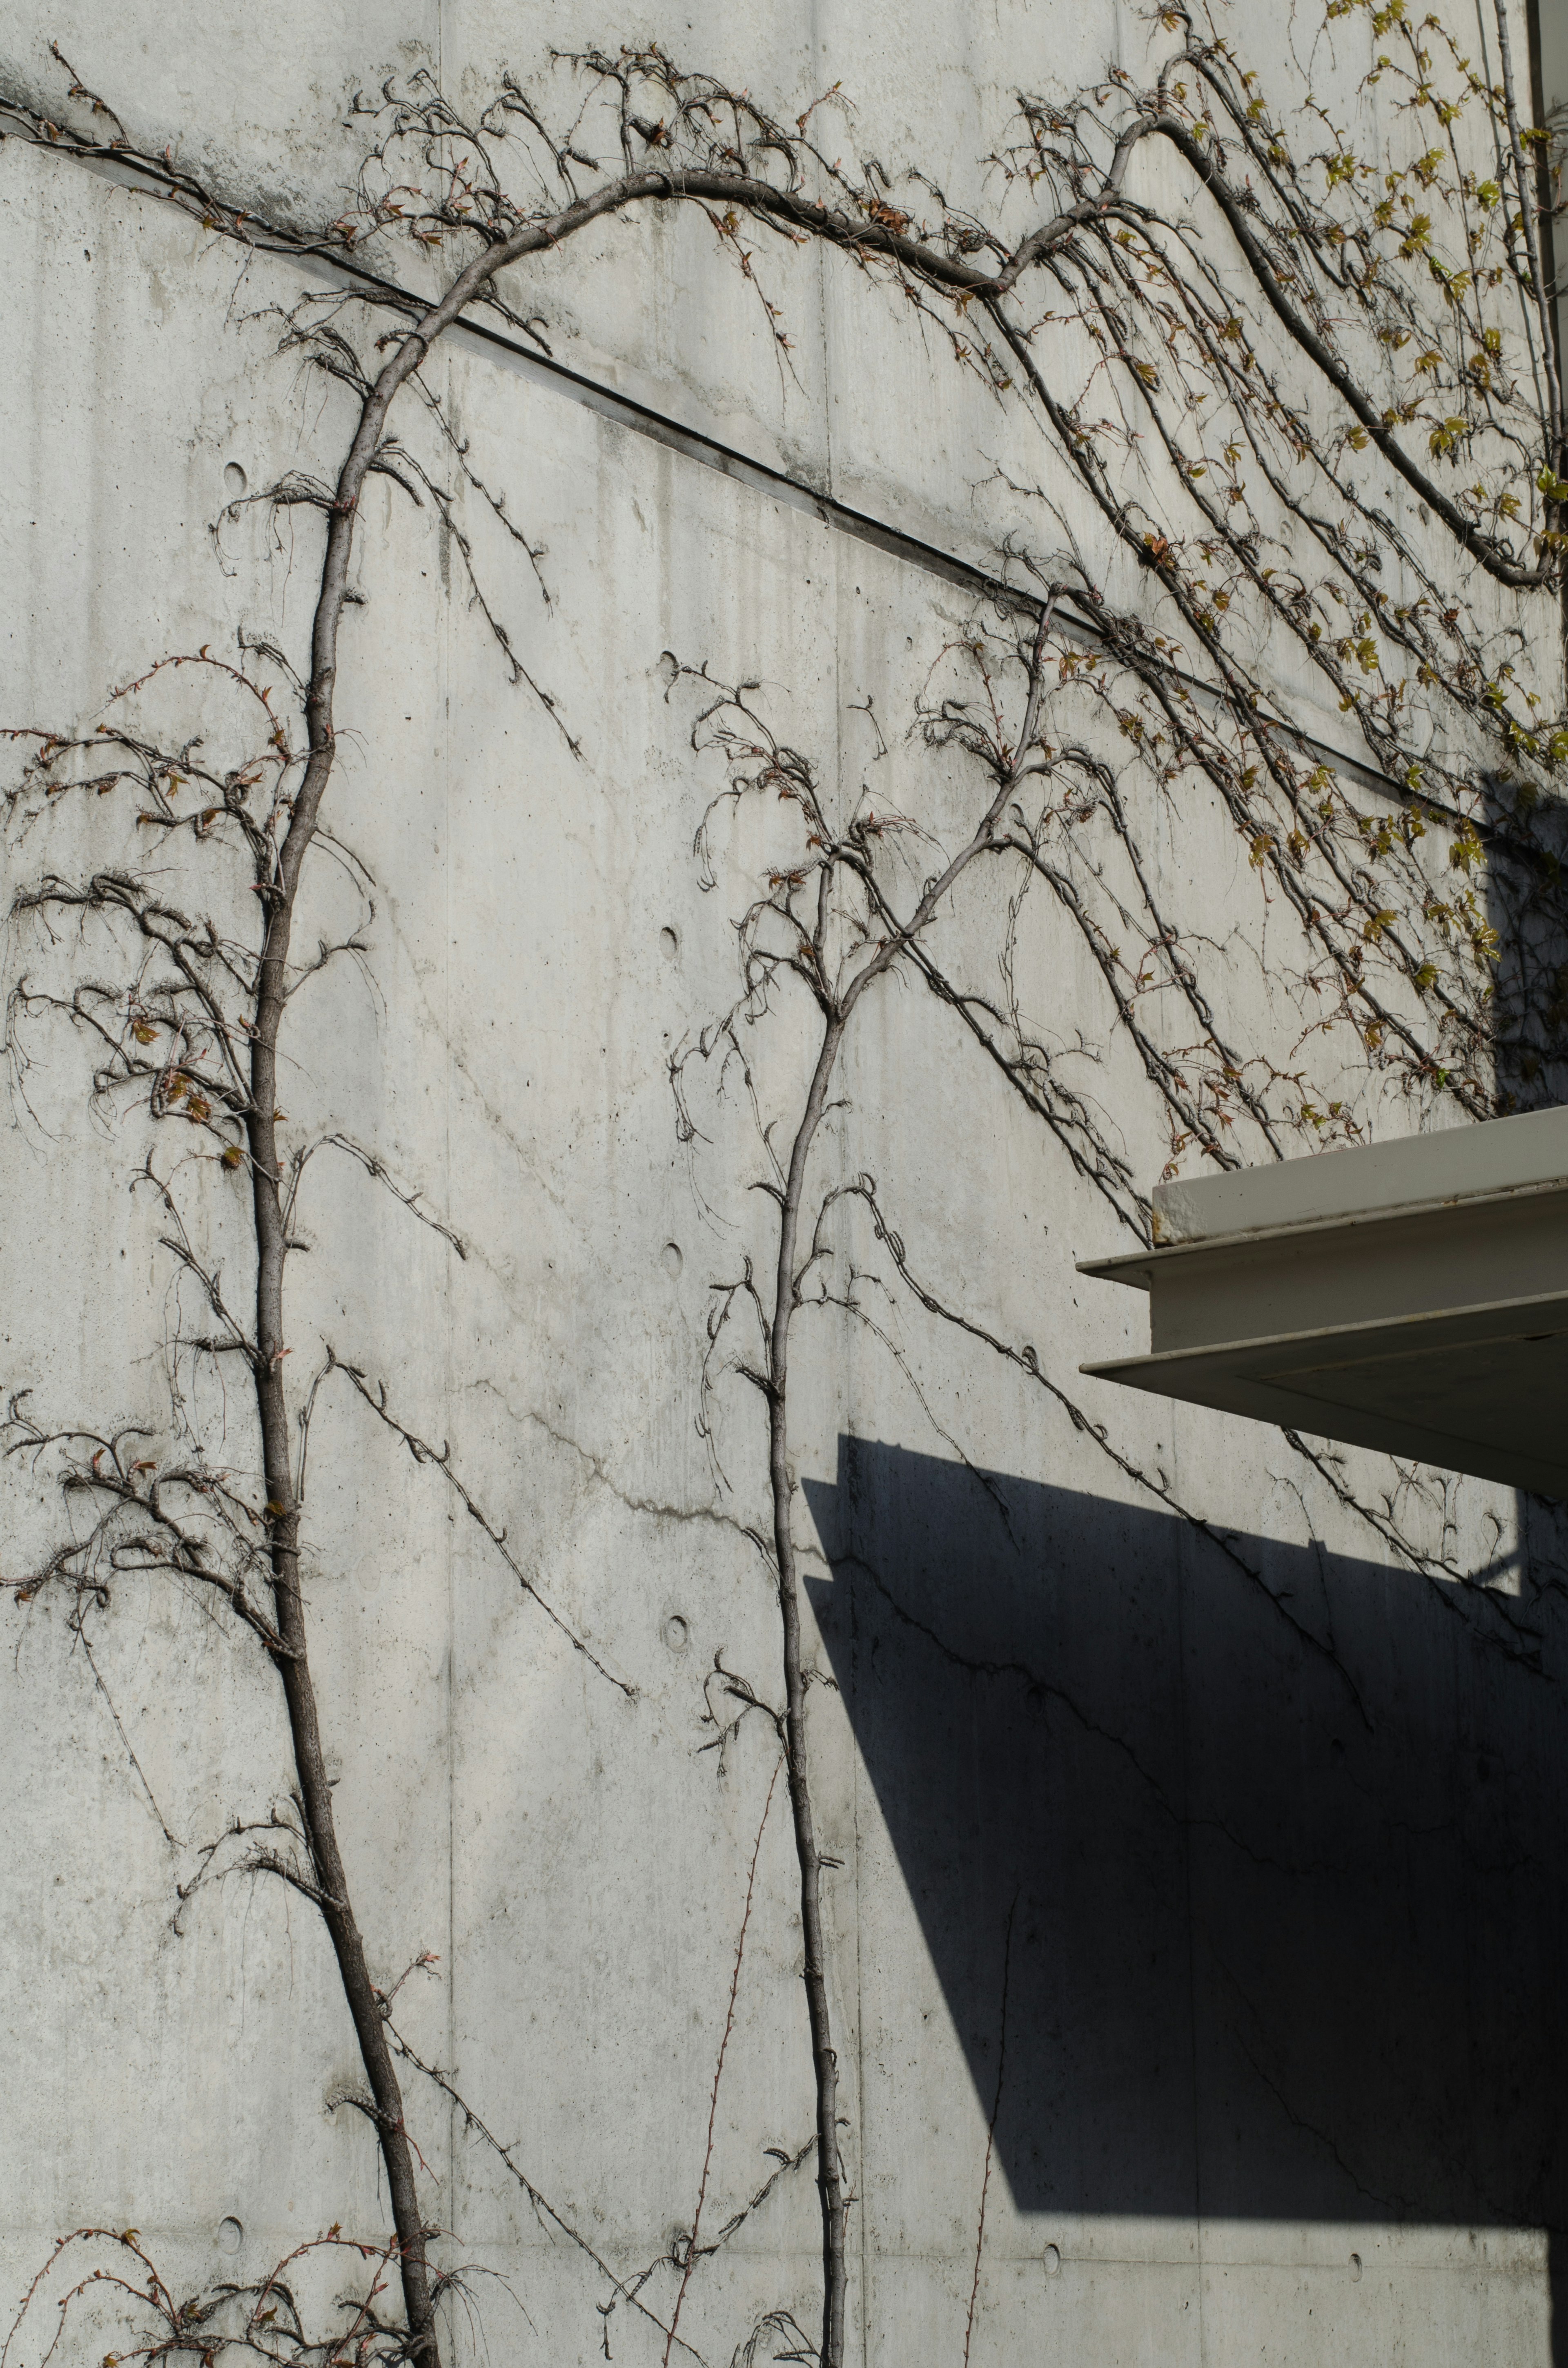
(1200, 1904)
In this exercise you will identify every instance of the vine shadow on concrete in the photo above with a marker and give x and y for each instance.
(1290, 1916)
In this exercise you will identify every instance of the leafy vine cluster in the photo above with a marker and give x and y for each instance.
(1284, 459)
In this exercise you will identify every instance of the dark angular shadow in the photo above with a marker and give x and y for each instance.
(1279, 1836)
(1525, 881)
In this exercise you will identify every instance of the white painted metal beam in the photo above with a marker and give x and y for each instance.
(1411, 1296)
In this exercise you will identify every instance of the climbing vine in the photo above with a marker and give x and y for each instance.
(1279, 537)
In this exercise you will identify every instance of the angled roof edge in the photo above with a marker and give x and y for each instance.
(1493, 1156)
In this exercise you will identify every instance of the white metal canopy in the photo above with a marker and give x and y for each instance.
(1411, 1296)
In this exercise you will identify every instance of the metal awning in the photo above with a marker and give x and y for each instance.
(1411, 1296)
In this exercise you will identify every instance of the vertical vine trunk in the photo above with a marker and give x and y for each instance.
(830, 2171)
(280, 897)
(837, 1013)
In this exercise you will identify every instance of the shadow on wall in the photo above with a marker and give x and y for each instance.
(1282, 1847)
(1527, 1013)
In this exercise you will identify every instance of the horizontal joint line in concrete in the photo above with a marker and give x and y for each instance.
(711, 453)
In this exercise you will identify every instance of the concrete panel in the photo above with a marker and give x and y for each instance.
(1232, 1768)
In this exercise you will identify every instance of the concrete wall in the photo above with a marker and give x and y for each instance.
(1200, 1904)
